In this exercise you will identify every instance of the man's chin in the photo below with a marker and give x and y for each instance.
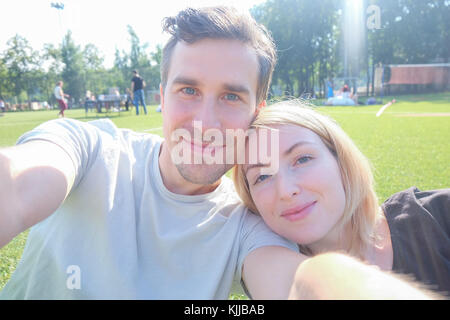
(202, 174)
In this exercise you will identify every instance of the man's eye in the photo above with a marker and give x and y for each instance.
(188, 91)
(303, 159)
(231, 97)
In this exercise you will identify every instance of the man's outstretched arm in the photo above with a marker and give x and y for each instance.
(35, 178)
(335, 276)
(280, 273)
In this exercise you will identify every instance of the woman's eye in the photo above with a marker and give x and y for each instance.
(303, 159)
(261, 178)
(188, 91)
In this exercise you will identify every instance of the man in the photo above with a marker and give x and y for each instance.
(115, 217)
(60, 95)
(137, 87)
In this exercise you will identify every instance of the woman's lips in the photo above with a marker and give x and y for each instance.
(298, 212)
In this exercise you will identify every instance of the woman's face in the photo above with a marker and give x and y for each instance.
(304, 199)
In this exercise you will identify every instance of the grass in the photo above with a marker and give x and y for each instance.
(405, 151)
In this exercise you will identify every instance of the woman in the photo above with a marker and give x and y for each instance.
(322, 197)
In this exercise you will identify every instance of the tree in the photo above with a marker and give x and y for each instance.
(137, 59)
(73, 70)
(94, 71)
(5, 84)
(304, 36)
(412, 32)
(52, 59)
(22, 63)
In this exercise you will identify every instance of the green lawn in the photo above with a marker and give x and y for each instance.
(404, 149)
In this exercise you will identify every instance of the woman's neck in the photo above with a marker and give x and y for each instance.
(338, 239)
(379, 252)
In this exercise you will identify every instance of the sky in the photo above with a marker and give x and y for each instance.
(100, 22)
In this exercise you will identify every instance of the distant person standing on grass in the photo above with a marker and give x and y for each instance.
(129, 99)
(329, 84)
(59, 95)
(137, 87)
(2, 106)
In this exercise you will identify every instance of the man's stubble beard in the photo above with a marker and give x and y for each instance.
(197, 174)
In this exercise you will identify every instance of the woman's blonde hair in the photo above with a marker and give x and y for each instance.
(361, 205)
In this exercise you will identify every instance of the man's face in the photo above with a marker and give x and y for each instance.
(212, 82)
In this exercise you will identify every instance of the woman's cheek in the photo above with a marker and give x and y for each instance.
(261, 200)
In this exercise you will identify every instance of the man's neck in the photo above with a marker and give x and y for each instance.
(173, 180)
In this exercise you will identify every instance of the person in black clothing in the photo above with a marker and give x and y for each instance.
(137, 87)
(321, 196)
(419, 223)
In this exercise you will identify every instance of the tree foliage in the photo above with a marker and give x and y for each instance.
(308, 35)
(310, 42)
(27, 74)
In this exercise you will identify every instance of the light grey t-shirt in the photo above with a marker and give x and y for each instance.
(121, 234)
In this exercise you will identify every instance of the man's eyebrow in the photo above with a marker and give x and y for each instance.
(236, 88)
(185, 81)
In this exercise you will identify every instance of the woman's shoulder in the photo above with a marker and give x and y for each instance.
(419, 222)
(419, 214)
(411, 202)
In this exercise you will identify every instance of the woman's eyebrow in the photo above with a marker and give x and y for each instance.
(286, 153)
(256, 165)
(296, 145)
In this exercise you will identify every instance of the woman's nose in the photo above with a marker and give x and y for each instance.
(287, 186)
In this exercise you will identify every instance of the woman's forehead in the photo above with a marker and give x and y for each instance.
(266, 144)
(284, 135)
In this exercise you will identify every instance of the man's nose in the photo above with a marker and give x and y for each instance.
(207, 113)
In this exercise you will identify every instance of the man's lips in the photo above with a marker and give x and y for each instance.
(202, 147)
(298, 212)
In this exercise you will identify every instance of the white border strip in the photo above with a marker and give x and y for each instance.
(385, 107)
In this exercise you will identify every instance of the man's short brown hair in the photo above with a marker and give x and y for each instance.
(191, 25)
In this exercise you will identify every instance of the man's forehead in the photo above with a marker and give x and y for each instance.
(232, 58)
(223, 47)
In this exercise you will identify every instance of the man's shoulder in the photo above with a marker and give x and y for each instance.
(227, 188)
(100, 129)
(130, 137)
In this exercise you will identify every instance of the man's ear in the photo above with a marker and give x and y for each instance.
(161, 96)
(260, 106)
